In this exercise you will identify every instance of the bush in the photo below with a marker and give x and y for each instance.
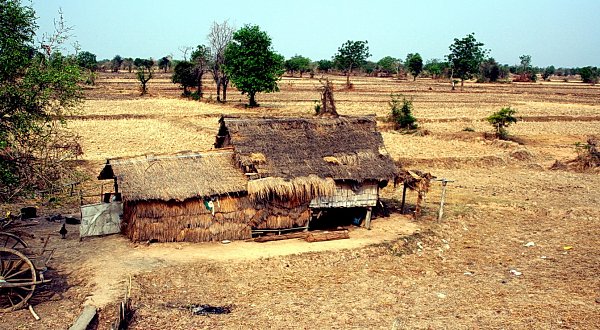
(401, 114)
(501, 120)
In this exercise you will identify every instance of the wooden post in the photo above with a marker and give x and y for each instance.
(441, 212)
(403, 198)
(368, 218)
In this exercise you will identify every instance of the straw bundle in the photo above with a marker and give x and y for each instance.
(301, 188)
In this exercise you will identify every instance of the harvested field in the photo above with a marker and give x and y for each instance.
(403, 274)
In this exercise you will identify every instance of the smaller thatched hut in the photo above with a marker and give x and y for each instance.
(185, 197)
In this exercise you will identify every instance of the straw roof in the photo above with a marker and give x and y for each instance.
(344, 148)
(176, 177)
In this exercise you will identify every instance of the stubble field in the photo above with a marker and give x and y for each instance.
(450, 275)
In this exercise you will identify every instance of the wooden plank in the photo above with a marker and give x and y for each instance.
(327, 236)
(271, 238)
(85, 318)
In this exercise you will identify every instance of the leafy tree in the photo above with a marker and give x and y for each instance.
(116, 63)
(200, 59)
(184, 75)
(297, 63)
(144, 72)
(489, 70)
(589, 75)
(389, 65)
(525, 63)
(369, 67)
(548, 71)
(526, 72)
(87, 60)
(465, 56)
(401, 113)
(324, 65)
(128, 64)
(38, 88)
(414, 63)
(351, 55)
(219, 38)
(164, 63)
(252, 64)
(501, 120)
(435, 67)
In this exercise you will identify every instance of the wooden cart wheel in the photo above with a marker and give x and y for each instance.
(17, 278)
(11, 241)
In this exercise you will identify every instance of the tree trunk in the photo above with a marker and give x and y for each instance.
(348, 79)
(218, 82)
(252, 99)
(462, 84)
(200, 74)
(225, 82)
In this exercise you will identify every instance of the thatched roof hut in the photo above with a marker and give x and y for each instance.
(306, 156)
(176, 177)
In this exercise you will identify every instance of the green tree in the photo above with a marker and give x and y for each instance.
(200, 58)
(297, 63)
(414, 63)
(589, 75)
(184, 75)
(389, 65)
(489, 70)
(351, 55)
(548, 71)
(465, 56)
(501, 120)
(164, 63)
(435, 67)
(87, 60)
(252, 64)
(145, 72)
(116, 63)
(324, 65)
(38, 88)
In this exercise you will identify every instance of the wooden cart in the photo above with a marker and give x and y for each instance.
(20, 271)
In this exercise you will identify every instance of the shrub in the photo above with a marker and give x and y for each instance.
(401, 114)
(501, 120)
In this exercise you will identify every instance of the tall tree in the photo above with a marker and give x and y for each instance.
(414, 63)
(145, 72)
(389, 65)
(38, 88)
(116, 63)
(87, 60)
(297, 63)
(465, 56)
(184, 75)
(164, 63)
(200, 59)
(252, 64)
(128, 64)
(219, 37)
(352, 55)
(324, 65)
(489, 70)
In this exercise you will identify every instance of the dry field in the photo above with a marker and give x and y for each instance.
(450, 275)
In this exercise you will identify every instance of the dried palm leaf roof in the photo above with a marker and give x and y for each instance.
(176, 177)
(344, 148)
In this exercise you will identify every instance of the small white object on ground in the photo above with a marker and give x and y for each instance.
(530, 244)
(515, 272)
(225, 241)
(441, 295)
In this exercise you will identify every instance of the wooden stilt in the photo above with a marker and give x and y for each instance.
(403, 198)
(368, 218)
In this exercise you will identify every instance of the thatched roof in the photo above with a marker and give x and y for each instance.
(176, 177)
(344, 148)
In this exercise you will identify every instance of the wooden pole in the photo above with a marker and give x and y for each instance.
(441, 212)
(368, 218)
(403, 198)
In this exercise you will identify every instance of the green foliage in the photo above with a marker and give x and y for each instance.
(501, 120)
(435, 67)
(251, 63)
(389, 65)
(549, 71)
(184, 75)
(164, 63)
(116, 63)
(87, 60)
(352, 54)
(414, 64)
(401, 112)
(38, 88)
(465, 56)
(324, 65)
(489, 70)
(589, 75)
(525, 63)
(297, 63)
(144, 72)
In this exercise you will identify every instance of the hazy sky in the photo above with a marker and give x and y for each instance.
(554, 32)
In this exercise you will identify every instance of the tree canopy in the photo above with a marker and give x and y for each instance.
(252, 64)
(465, 56)
(389, 64)
(87, 60)
(297, 63)
(38, 88)
(414, 64)
(351, 55)
(184, 75)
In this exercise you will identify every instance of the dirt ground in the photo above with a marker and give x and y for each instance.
(519, 246)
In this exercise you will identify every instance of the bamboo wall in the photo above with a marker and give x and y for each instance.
(190, 221)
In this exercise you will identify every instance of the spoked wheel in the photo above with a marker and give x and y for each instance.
(17, 279)
(11, 241)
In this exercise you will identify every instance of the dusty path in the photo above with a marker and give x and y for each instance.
(108, 262)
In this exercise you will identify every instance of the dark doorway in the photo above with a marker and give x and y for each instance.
(332, 218)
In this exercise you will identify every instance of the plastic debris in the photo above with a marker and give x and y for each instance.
(208, 309)
(567, 247)
(441, 295)
(529, 244)
(468, 273)
(515, 272)
(225, 241)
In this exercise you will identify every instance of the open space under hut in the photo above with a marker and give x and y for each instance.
(332, 166)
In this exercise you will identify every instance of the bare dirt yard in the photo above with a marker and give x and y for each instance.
(518, 247)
